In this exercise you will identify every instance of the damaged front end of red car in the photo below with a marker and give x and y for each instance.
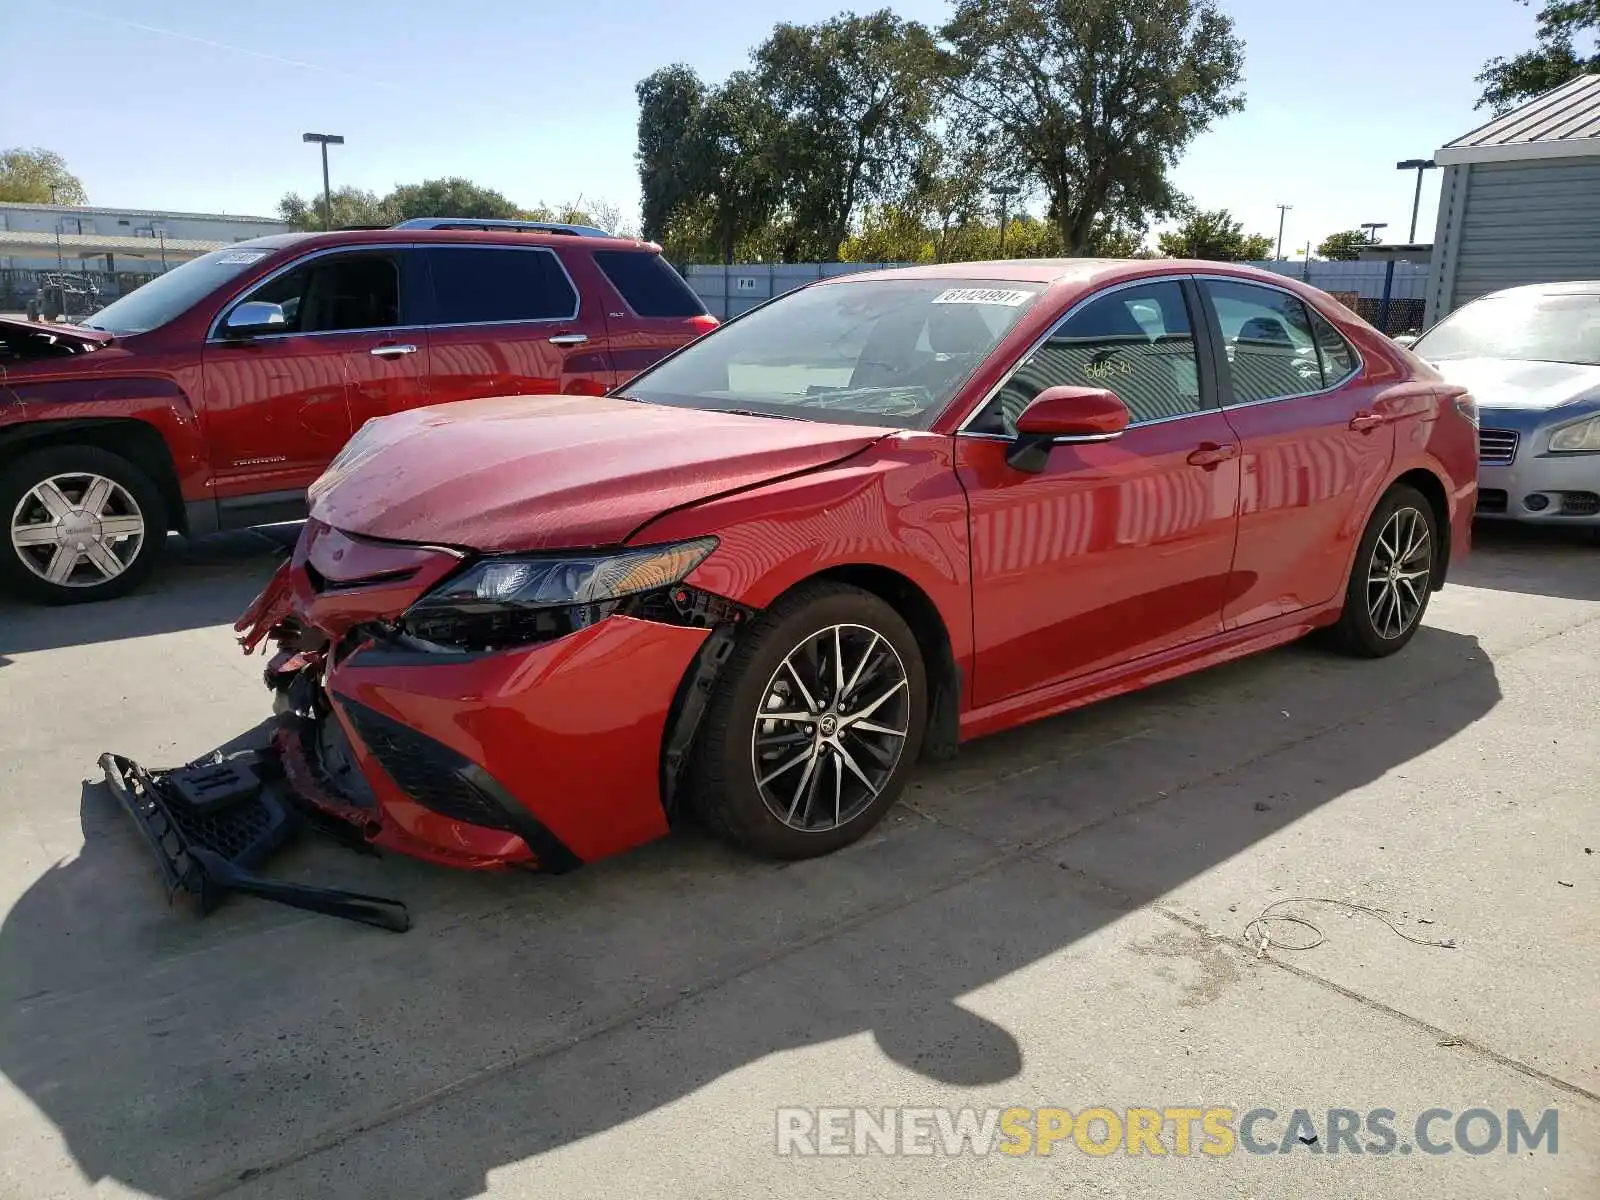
(539, 738)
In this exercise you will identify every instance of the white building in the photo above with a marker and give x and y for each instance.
(48, 237)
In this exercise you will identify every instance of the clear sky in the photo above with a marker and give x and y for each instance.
(197, 106)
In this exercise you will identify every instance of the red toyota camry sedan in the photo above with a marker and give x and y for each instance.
(864, 522)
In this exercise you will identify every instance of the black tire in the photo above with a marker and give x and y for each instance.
(723, 783)
(1369, 626)
(19, 478)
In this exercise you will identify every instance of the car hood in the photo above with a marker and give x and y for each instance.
(549, 472)
(39, 342)
(1514, 384)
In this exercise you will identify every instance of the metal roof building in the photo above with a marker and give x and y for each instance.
(1519, 201)
(43, 236)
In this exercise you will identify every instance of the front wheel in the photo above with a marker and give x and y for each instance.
(817, 720)
(1392, 579)
(81, 524)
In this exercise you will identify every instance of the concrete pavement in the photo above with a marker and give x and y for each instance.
(1056, 919)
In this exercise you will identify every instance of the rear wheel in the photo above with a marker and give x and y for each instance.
(1392, 579)
(817, 721)
(81, 524)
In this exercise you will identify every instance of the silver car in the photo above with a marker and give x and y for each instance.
(1531, 357)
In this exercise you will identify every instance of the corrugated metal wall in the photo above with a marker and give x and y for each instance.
(1511, 223)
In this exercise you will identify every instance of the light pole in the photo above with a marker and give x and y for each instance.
(1005, 192)
(1283, 211)
(325, 140)
(1372, 228)
(1419, 165)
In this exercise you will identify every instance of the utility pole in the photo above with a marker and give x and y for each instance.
(1419, 165)
(1005, 192)
(1283, 211)
(325, 140)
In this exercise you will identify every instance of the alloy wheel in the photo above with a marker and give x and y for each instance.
(1398, 575)
(831, 728)
(77, 530)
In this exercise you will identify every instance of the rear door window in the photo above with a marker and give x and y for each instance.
(1272, 352)
(475, 285)
(648, 284)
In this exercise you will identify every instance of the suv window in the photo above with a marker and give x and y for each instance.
(1338, 359)
(336, 292)
(650, 286)
(480, 284)
(1136, 341)
(1272, 352)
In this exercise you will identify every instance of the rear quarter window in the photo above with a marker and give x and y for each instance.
(648, 284)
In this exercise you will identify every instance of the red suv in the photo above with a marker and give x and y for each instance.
(213, 396)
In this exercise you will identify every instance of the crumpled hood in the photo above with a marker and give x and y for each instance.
(548, 472)
(1511, 384)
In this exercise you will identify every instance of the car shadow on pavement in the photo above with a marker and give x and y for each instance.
(291, 1055)
(1537, 560)
(207, 581)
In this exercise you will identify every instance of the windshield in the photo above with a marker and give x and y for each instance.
(866, 351)
(170, 295)
(1542, 328)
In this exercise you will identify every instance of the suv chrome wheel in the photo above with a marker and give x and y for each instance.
(831, 727)
(77, 530)
(1398, 574)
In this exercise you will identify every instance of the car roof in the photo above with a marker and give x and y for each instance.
(490, 237)
(1070, 271)
(1568, 287)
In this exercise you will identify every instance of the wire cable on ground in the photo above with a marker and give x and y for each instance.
(1259, 930)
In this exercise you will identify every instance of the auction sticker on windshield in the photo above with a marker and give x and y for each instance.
(243, 256)
(1005, 296)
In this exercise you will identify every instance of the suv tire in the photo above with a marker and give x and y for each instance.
(97, 509)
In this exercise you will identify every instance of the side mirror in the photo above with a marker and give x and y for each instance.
(253, 316)
(1065, 415)
(1405, 339)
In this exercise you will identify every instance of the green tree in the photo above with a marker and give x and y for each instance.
(853, 101)
(671, 103)
(351, 206)
(1344, 246)
(1568, 46)
(1095, 99)
(38, 176)
(452, 197)
(889, 233)
(1214, 235)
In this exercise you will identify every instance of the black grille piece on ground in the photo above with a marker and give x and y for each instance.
(451, 785)
(211, 849)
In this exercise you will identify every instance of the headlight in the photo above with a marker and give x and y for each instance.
(1580, 435)
(500, 602)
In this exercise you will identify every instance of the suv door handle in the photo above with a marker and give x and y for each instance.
(1210, 455)
(392, 351)
(569, 339)
(1364, 422)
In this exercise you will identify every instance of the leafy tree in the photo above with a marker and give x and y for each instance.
(351, 206)
(452, 197)
(1112, 239)
(1214, 235)
(38, 176)
(889, 233)
(1568, 46)
(950, 183)
(853, 100)
(1344, 246)
(1095, 99)
(671, 103)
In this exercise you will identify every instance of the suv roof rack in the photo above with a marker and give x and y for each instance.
(490, 224)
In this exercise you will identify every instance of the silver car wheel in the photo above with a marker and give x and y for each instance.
(831, 728)
(1398, 575)
(77, 530)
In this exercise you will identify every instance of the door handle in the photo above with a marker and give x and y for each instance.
(1210, 455)
(392, 351)
(569, 339)
(1365, 422)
